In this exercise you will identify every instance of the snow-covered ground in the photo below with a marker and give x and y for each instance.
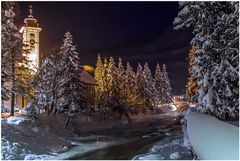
(212, 138)
(15, 120)
(169, 148)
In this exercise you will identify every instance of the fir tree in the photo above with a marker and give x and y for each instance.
(72, 90)
(167, 90)
(43, 86)
(120, 82)
(158, 84)
(191, 87)
(129, 84)
(14, 61)
(104, 97)
(99, 71)
(215, 27)
(139, 86)
(112, 81)
(149, 87)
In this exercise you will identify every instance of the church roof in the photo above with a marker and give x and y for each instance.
(31, 22)
(87, 78)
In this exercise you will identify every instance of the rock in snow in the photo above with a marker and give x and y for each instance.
(175, 155)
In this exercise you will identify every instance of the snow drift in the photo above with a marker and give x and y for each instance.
(212, 138)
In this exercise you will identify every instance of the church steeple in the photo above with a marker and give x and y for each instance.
(30, 31)
(30, 11)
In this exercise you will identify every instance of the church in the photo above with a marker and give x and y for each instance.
(30, 33)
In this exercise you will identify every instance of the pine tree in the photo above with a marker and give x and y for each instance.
(129, 83)
(158, 84)
(46, 83)
(226, 40)
(43, 86)
(14, 61)
(149, 87)
(72, 90)
(191, 87)
(104, 94)
(99, 71)
(139, 86)
(215, 27)
(112, 81)
(120, 82)
(167, 90)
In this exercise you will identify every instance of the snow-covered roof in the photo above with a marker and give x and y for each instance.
(87, 78)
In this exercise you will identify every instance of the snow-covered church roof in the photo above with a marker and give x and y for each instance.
(87, 78)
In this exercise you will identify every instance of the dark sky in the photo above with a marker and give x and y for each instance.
(131, 30)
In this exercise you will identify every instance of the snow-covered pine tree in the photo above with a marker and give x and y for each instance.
(129, 84)
(72, 90)
(166, 86)
(112, 82)
(14, 61)
(139, 86)
(104, 94)
(191, 86)
(158, 84)
(98, 75)
(226, 38)
(43, 86)
(208, 21)
(120, 82)
(149, 86)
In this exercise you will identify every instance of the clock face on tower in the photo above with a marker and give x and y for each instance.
(32, 42)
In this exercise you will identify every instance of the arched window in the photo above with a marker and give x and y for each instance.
(32, 36)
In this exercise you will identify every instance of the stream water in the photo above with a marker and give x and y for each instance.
(126, 151)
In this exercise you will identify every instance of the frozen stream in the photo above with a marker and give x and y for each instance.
(162, 144)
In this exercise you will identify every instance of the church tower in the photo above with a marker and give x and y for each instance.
(30, 33)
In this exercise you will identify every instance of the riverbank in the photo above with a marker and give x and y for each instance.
(48, 136)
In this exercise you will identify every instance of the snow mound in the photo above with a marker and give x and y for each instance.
(212, 138)
(15, 120)
(38, 157)
(149, 156)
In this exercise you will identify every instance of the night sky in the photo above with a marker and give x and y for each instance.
(135, 31)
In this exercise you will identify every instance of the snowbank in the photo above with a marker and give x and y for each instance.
(12, 150)
(38, 157)
(15, 120)
(212, 138)
(149, 156)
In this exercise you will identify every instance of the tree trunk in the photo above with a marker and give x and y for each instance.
(13, 88)
(22, 101)
(12, 104)
(67, 121)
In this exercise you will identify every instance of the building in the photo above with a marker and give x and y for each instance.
(30, 33)
(91, 83)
